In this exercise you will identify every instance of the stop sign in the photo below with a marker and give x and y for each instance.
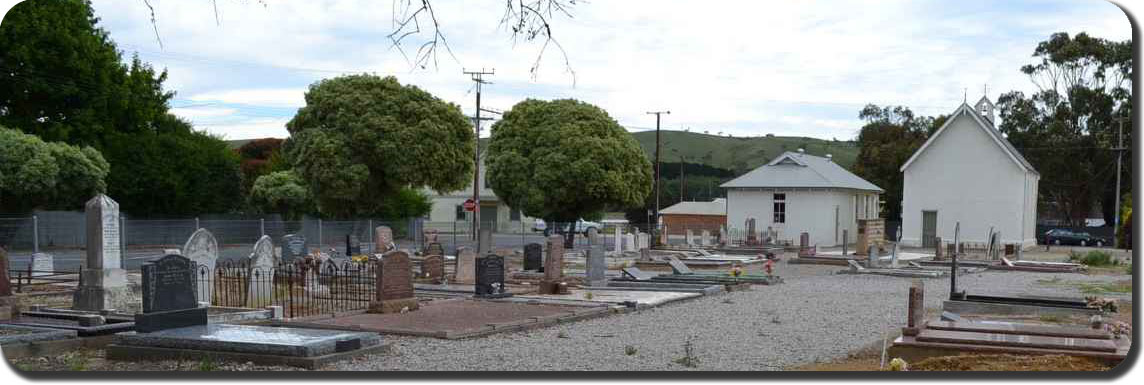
(470, 205)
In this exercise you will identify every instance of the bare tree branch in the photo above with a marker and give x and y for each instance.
(153, 25)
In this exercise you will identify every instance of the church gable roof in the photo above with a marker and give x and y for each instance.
(984, 125)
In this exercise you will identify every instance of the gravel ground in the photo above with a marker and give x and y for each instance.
(816, 316)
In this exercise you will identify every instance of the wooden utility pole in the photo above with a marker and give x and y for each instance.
(655, 216)
(1119, 154)
(478, 78)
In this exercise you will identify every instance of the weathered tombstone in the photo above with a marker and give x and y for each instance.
(42, 264)
(872, 257)
(845, 239)
(705, 238)
(394, 284)
(293, 247)
(939, 249)
(466, 266)
(553, 266)
(617, 236)
(485, 235)
(629, 242)
(169, 295)
(916, 311)
(202, 249)
(870, 232)
(752, 238)
(533, 258)
(804, 247)
(663, 236)
(430, 236)
(260, 287)
(104, 280)
(433, 268)
(723, 235)
(490, 276)
(383, 240)
(689, 237)
(435, 248)
(645, 255)
(596, 264)
(644, 240)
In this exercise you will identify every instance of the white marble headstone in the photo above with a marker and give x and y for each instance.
(202, 249)
(261, 263)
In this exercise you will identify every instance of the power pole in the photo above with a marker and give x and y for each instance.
(655, 216)
(478, 78)
(1119, 154)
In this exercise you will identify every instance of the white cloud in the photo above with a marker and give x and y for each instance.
(731, 67)
(192, 113)
(248, 129)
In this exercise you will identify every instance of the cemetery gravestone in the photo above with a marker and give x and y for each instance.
(466, 266)
(939, 249)
(629, 242)
(705, 238)
(752, 238)
(490, 276)
(383, 240)
(42, 264)
(553, 266)
(260, 288)
(677, 266)
(689, 237)
(104, 280)
(202, 249)
(532, 257)
(169, 295)
(433, 268)
(644, 240)
(597, 265)
(430, 236)
(870, 232)
(293, 247)
(916, 309)
(394, 284)
(353, 245)
(617, 234)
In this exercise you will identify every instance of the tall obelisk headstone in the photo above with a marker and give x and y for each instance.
(466, 271)
(595, 260)
(104, 281)
(553, 266)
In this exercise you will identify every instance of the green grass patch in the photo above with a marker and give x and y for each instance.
(1106, 287)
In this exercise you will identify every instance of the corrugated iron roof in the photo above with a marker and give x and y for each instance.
(715, 207)
(799, 170)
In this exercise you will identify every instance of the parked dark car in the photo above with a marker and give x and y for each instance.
(1068, 237)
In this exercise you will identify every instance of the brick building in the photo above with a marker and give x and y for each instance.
(694, 216)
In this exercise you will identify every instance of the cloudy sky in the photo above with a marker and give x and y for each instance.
(797, 68)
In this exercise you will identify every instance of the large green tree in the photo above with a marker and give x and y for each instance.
(1068, 127)
(361, 139)
(282, 192)
(47, 175)
(562, 160)
(890, 136)
(62, 78)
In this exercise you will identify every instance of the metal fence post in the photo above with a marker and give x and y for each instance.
(262, 225)
(196, 224)
(35, 235)
(320, 242)
(368, 234)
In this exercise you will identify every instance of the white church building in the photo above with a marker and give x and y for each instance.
(797, 192)
(968, 173)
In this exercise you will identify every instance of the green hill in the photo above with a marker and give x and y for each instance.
(739, 154)
(736, 154)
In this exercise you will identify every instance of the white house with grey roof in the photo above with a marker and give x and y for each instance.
(797, 193)
(968, 173)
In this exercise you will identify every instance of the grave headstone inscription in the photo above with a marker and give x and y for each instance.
(169, 295)
(597, 265)
(490, 277)
(104, 282)
(394, 284)
(293, 247)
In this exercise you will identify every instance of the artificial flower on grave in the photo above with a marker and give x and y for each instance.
(736, 271)
(1118, 329)
(769, 267)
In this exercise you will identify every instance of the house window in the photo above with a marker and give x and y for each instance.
(780, 208)
(460, 213)
(514, 215)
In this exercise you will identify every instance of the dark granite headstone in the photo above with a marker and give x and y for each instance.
(169, 284)
(490, 275)
(293, 247)
(532, 258)
(353, 245)
(433, 267)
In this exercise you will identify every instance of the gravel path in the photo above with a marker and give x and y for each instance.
(814, 316)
